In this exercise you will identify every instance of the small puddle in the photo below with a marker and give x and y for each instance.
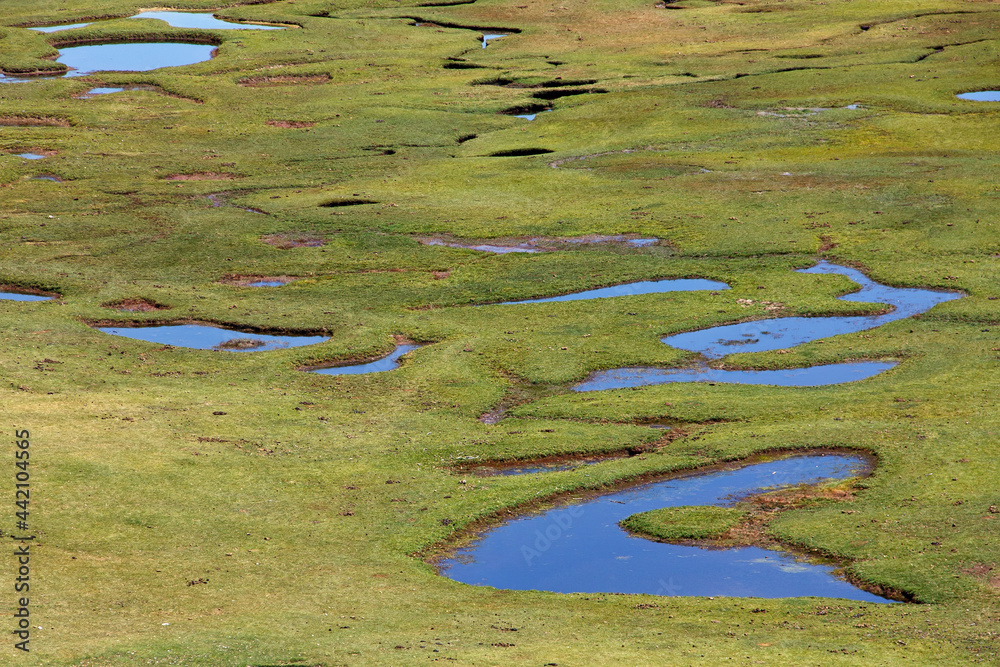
(132, 57)
(201, 20)
(484, 247)
(813, 376)
(31, 156)
(99, 91)
(57, 28)
(578, 547)
(531, 116)
(19, 296)
(785, 332)
(46, 177)
(266, 283)
(487, 37)
(541, 244)
(981, 96)
(204, 337)
(632, 289)
(386, 363)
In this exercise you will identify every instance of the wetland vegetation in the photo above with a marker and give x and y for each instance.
(227, 509)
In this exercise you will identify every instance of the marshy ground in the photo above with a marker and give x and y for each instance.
(201, 507)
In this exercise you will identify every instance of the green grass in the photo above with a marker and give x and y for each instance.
(684, 523)
(269, 535)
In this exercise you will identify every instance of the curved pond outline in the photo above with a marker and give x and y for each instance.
(812, 376)
(631, 289)
(981, 96)
(785, 332)
(205, 337)
(578, 547)
(386, 363)
(132, 57)
(201, 21)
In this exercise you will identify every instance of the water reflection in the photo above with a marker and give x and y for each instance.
(579, 547)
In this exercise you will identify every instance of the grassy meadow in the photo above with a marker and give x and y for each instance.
(209, 508)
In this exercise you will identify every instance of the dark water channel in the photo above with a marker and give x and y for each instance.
(203, 337)
(579, 547)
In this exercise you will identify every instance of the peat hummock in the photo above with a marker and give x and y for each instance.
(211, 337)
(578, 547)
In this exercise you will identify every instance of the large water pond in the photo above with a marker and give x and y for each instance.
(785, 332)
(203, 337)
(386, 363)
(132, 57)
(813, 376)
(632, 289)
(580, 548)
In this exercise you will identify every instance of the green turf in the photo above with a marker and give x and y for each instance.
(269, 534)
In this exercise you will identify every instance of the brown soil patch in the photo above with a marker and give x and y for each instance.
(202, 176)
(291, 124)
(284, 80)
(136, 305)
(289, 240)
(244, 281)
(33, 121)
